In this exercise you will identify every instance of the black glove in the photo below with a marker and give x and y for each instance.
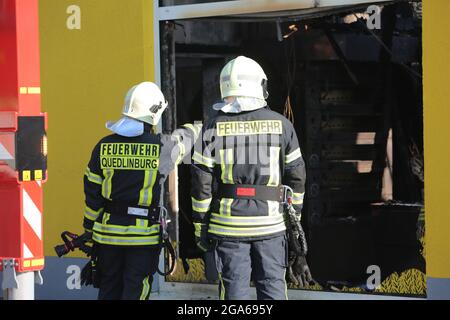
(88, 235)
(86, 274)
(201, 237)
(209, 260)
(90, 274)
(298, 271)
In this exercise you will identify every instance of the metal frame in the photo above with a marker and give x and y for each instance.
(156, 42)
(239, 7)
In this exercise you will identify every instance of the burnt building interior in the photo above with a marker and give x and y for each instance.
(354, 95)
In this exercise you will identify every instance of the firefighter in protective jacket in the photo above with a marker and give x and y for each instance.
(248, 153)
(122, 185)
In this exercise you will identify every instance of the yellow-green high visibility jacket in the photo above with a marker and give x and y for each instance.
(255, 148)
(123, 180)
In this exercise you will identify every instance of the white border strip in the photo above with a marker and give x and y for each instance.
(27, 252)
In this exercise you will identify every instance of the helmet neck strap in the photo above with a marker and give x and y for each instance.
(264, 88)
(148, 127)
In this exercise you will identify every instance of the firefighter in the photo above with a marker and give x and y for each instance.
(122, 185)
(248, 153)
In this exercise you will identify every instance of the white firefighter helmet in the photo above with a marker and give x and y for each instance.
(145, 102)
(243, 77)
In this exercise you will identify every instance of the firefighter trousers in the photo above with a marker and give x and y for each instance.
(126, 272)
(262, 261)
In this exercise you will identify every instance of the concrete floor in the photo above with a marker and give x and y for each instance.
(189, 291)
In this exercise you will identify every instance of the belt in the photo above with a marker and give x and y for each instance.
(132, 210)
(254, 192)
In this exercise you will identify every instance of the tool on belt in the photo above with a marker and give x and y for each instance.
(165, 244)
(296, 235)
(155, 215)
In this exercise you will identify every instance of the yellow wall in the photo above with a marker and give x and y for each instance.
(436, 46)
(84, 76)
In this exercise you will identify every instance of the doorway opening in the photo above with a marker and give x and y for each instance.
(354, 96)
